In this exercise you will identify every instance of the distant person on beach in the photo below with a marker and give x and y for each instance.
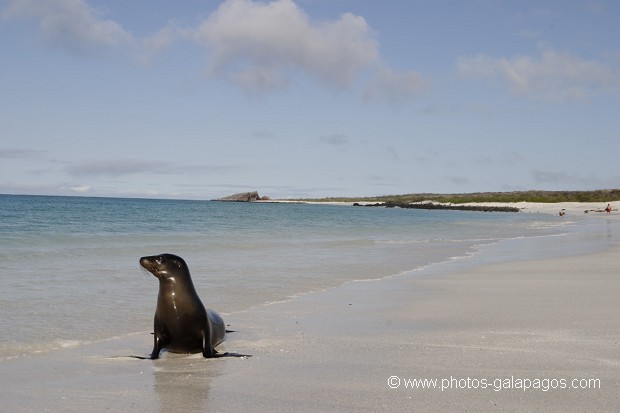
(608, 209)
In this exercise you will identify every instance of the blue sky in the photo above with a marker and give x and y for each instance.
(201, 99)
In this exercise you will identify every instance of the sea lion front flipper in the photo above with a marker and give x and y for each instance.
(156, 347)
(209, 353)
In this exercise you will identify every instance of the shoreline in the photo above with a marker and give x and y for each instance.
(554, 208)
(335, 349)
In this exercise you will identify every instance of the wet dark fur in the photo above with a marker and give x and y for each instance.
(181, 324)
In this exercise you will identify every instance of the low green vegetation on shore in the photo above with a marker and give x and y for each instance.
(603, 195)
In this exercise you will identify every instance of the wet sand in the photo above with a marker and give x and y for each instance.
(335, 351)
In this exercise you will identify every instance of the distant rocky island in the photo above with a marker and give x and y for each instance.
(244, 197)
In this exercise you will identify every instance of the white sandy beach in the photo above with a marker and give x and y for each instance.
(571, 208)
(550, 325)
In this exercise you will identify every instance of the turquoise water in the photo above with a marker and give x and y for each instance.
(70, 272)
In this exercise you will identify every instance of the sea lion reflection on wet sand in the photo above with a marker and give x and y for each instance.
(182, 324)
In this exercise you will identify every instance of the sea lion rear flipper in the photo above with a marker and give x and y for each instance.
(133, 356)
(215, 354)
(229, 354)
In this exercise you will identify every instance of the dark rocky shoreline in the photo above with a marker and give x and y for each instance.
(430, 205)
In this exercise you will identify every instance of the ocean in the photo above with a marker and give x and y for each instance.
(70, 273)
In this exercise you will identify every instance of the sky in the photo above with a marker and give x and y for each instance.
(199, 99)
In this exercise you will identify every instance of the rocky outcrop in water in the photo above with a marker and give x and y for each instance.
(244, 197)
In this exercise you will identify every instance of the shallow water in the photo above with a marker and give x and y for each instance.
(70, 271)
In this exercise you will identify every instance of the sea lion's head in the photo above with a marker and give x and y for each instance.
(164, 265)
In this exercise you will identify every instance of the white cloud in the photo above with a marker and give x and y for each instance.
(263, 46)
(256, 44)
(552, 75)
(71, 24)
(78, 28)
(80, 188)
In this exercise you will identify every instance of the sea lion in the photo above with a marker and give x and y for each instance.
(182, 324)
